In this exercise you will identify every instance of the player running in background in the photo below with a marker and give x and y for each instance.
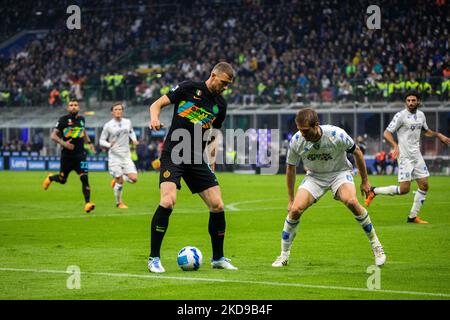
(116, 136)
(409, 124)
(197, 105)
(70, 133)
(323, 149)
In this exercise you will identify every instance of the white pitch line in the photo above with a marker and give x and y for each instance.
(230, 208)
(267, 283)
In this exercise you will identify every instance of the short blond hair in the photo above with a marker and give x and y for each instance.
(224, 67)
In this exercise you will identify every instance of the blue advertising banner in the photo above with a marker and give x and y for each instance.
(97, 165)
(1, 163)
(36, 165)
(53, 165)
(18, 163)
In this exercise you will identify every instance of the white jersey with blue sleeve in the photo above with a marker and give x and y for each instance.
(120, 132)
(328, 155)
(408, 127)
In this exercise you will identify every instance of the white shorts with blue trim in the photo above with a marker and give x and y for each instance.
(412, 169)
(319, 184)
(119, 167)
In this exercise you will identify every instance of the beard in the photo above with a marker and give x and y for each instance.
(413, 108)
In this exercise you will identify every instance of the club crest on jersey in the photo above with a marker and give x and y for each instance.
(166, 174)
(69, 122)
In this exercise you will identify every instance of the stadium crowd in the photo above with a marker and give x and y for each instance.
(284, 52)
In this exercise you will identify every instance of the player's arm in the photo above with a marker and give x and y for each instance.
(394, 125)
(88, 141)
(390, 138)
(292, 160)
(104, 138)
(132, 135)
(361, 165)
(214, 135)
(434, 134)
(155, 112)
(290, 182)
(211, 151)
(56, 136)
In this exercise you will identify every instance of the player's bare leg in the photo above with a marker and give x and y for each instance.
(130, 177)
(302, 201)
(347, 194)
(160, 222)
(216, 227)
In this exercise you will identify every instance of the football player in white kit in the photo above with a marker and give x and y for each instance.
(323, 149)
(116, 136)
(409, 124)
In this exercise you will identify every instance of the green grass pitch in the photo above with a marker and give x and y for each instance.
(44, 232)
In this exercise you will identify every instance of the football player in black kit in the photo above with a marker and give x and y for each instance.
(196, 105)
(70, 133)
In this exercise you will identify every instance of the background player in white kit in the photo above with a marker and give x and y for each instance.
(116, 136)
(409, 124)
(323, 150)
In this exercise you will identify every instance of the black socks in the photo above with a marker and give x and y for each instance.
(85, 187)
(160, 222)
(216, 230)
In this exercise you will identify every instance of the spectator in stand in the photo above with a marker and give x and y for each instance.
(265, 41)
(380, 162)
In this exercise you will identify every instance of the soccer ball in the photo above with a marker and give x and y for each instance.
(189, 258)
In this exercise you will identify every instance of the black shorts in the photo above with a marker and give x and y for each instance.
(77, 163)
(198, 177)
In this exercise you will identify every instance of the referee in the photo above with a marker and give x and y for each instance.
(70, 133)
(195, 104)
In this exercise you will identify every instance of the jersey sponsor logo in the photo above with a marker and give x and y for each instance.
(319, 156)
(73, 132)
(195, 114)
